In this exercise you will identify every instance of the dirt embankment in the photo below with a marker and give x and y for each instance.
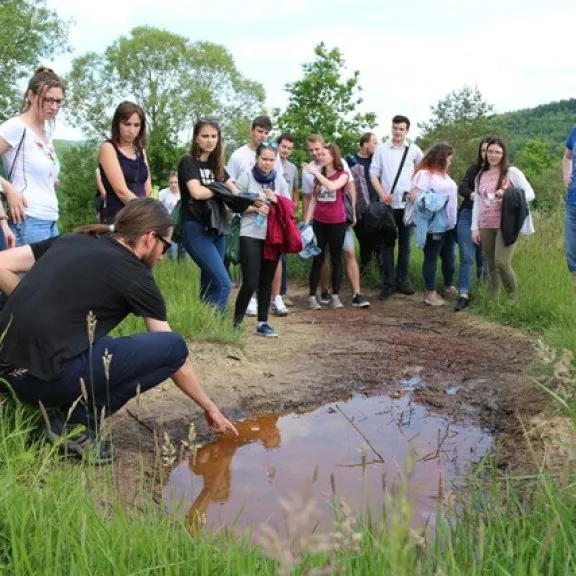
(471, 370)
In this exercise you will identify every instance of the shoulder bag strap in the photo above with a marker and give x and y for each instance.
(400, 168)
(11, 171)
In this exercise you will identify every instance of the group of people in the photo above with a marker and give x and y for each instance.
(98, 275)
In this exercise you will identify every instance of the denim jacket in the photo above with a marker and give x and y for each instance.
(430, 215)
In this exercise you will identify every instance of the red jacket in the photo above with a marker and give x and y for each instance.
(282, 236)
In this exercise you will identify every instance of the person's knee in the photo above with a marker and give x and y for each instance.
(176, 348)
(349, 255)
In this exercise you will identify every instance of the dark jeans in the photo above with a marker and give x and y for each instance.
(139, 362)
(442, 245)
(257, 274)
(331, 235)
(401, 268)
(469, 252)
(369, 247)
(207, 250)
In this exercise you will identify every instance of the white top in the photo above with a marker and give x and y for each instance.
(308, 179)
(518, 180)
(35, 169)
(385, 163)
(253, 224)
(168, 199)
(243, 160)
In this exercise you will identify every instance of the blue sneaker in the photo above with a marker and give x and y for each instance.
(266, 330)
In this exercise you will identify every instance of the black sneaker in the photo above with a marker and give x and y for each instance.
(462, 304)
(84, 444)
(385, 293)
(360, 301)
(325, 298)
(405, 288)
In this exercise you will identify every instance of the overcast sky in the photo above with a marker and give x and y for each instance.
(410, 54)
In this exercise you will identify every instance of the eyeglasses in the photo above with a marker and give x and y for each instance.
(58, 101)
(167, 245)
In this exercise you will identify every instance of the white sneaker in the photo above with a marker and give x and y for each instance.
(279, 307)
(313, 303)
(336, 303)
(252, 309)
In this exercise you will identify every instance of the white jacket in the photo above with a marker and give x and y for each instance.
(518, 180)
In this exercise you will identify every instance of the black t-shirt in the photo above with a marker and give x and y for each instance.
(192, 169)
(365, 162)
(46, 317)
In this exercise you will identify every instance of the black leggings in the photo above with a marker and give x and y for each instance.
(257, 273)
(332, 235)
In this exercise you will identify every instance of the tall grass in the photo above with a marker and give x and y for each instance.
(58, 517)
(179, 283)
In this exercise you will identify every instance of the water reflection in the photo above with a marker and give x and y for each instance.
(238, 480)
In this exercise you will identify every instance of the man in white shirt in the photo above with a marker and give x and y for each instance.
(315, 145)
(384, 171)
(244, 158)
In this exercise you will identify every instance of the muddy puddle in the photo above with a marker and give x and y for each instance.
(355, 449)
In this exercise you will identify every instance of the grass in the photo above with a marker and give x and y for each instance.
(179, 282)
(62, 518)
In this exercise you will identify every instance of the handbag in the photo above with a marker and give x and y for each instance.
(349, 210)
(177, 220)
(233, 241)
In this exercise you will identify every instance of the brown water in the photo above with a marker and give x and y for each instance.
(239, 480)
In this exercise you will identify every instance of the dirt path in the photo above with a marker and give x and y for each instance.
(471, 370)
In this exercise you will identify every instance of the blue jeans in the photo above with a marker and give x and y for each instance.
(33, 230)
(570, 235)
(207, 250)
(139, 362)
(443, 245)
(469, 252)
(404, 237)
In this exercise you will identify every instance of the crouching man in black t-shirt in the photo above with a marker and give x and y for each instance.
(77, 288)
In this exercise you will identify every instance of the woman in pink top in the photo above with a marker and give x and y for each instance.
(328, 210)
(431, 174)
(496, 175)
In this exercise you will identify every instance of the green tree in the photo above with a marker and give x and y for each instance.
(174, 80)
(462, 119)
(77, 189)
(544, 171)
(325, 102)
(30, 32)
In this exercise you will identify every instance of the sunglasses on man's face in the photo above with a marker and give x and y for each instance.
(167, 245)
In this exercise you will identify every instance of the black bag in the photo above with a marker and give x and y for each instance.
(379, 222)
(349, 210)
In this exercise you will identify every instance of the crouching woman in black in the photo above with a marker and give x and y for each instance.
(77, 288)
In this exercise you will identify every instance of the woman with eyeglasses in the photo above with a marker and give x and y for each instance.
(258, 272)
(30, 162)
(123, 162)
(206, 244)
(497, 192)
(328, 209)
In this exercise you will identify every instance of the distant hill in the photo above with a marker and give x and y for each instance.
(551, 122)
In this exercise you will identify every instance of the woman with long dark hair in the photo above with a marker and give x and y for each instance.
(30, 162)
(258, 272)
(56, 349)
(431, 177)
(123, 162)
(205, 244)
(492, 184)
(469, 252)
(328, 209)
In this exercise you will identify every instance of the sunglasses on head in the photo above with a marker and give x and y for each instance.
(167, 245)
(268, 144)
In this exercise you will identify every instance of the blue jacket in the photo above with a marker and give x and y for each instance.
(430, 215)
